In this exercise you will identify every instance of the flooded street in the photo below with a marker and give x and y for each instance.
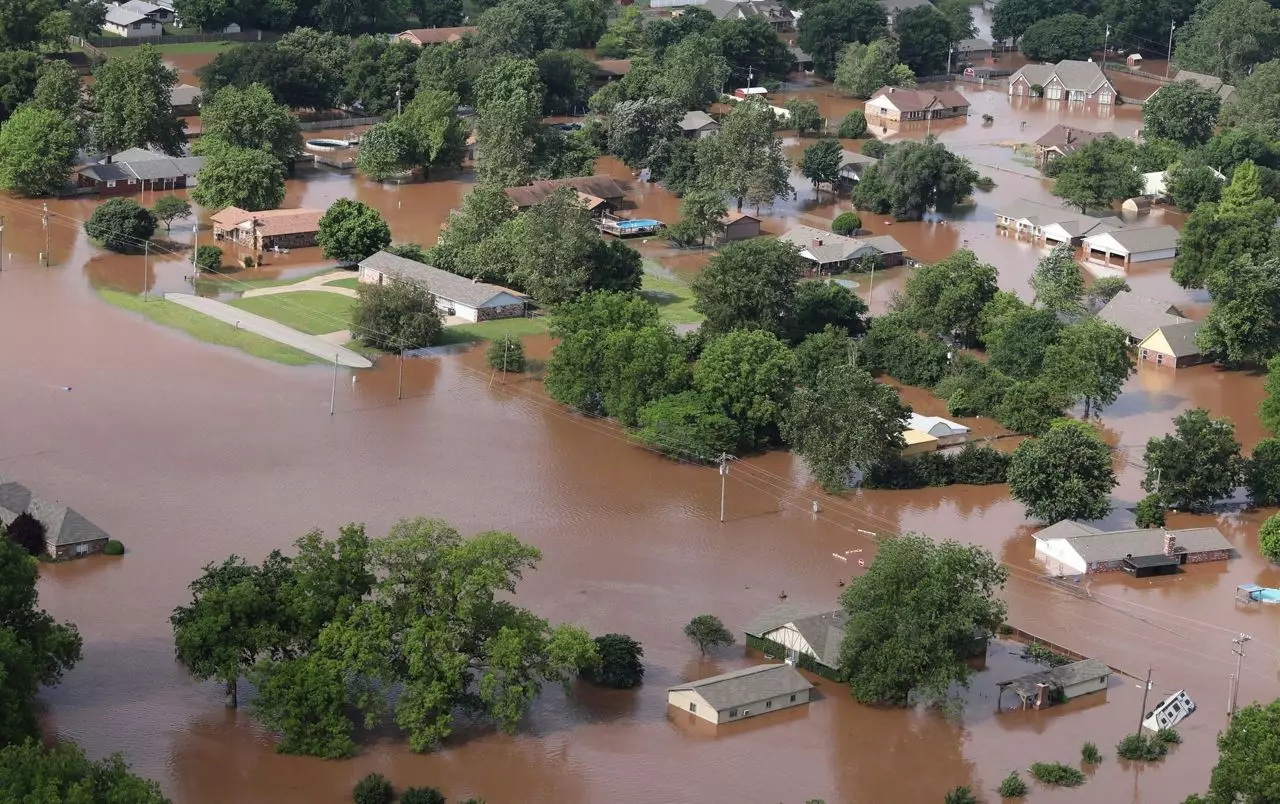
(189, 452)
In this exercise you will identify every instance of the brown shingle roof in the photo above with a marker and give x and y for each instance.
(605, 187)
(435, 36)
(272, 222)
(917, 100)
(1066, 138)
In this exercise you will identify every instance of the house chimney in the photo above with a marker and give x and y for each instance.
(817, 241)
(891, 90)
(1069, 133)
(1040, 694)
(1170, 543)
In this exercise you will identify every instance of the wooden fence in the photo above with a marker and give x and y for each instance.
(173, 39)
(338, 122)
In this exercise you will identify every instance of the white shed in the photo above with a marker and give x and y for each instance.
(946, 431)
(1128, 246)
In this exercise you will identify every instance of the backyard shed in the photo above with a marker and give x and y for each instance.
(1124, 247)
(946, 431)
(739, 226)
(1057, 684)
(917, 443)
(455, 295)
(742, 693)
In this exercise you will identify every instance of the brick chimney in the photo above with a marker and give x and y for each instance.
(1041, 690)
(1170, 543)
(817, 242)
(1069, 137)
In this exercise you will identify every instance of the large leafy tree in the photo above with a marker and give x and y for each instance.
(484, 211)
(1269, 409)
(821, 163)
(828, 26)
(386, 150)
(1262, 474)
(750, 46)
(19, 73)
(380, 75)
(1067, 36)
(122, 225)
(865, 68)
(352, 230)
(1184, 113)
(1097, 174)
(947, 297)
(620, 666)
(30, 772)
(687, 426)
(1196, 465)
(1018, 345)
(437, 134)
(522, 28)
(131, 105)
(508, 117)
(693, 71)
(821, 352)
(575, 373)
(248, 178)
(707, 631)
(1216, 235)
(745, 161)
(914, 177)
(250, 118)
(640, 366)
(1090, 361)
(21, 23)
(819, 305)
(34, 649)
(58, 89)
(701, 211)
(750, 373)
(1057, 282)
(567, 76)
(1228, 37)
(637, 129)
(1247, 766)
(959, 15)
(37, 150)
(1243, 326)
(396, 316)
(1066, 473)
(844, 421)
(749, 285)
(1258, 106)
(1010, 20)
(1141, 20)
(894, 344)
(924, 37)
(913, 618)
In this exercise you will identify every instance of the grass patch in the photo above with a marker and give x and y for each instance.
(350, 283)
(210, 330)
(491, 330)
(229, 283)
(361, 348)
(674, 299)
(187, 47)
(314, 312)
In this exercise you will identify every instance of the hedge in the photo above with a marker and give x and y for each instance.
(803, 660)
(973, 465)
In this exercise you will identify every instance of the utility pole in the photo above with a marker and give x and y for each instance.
(44, 218)
(1105, 38)
(1145, 689)
(724, 472)
(1169, 60)
(1238, 650)
(397, 100)
(1, 242)
(400, 379)
(951, 48)
(333, 391)
(146, 269)
(750, 75)
(195, 249)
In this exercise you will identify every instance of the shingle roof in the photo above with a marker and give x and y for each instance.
(1065, 529)
(828, 247)
(436, 36)
(14, 497)
(894, 6)
(747, 686)
(272, 222)
(1084, 76)
(1115, 545)
(824, 632)
(1149, 238)
(443, 284)
(1138, 315)
(972, 44)
(1064, 676)
(118, 15)
(885, 244)
(1210, 82)
(140, 163)
(1180, 337)
(63, 526)
(1075, 223)
(917, 100)
(848, 157)
(777, 615)
(1067, 138)
(799, 55)
(695, 120)
(605, 187)
(142, 7)
(613, 66)
(742, 9)
(184, 95)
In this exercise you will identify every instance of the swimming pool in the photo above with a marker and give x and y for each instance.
(643, 223)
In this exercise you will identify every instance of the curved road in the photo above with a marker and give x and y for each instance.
(274, 330)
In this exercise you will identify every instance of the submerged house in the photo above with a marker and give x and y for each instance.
(829, 253)
(1054, 225)
(1122, 248)
(1057, 684)
(947, 432)
(741, 694)
(1060, 141)
(894, 105)
(1069, 80)
(801, 635)
(455, 295)
(138, 169)
(1139, 316)
(67, 533)
(1074, 548)
(268, 229)
(1172, 345)
(600, 193)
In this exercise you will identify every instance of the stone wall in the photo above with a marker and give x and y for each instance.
(505, 311)
(68, 551)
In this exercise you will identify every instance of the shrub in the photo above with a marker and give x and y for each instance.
(1040, 654)
(686, 426)
(28, 532)
(1150, 512)
(973, 465)
(985, 183)
(421, 795)
(1089, 753)
(846, 223)
(1269, 538)
(874, 149)
(1262, 474)
(620, 666)
(1141, 748)
(1167, 736)
(395, 316)
(988, 119)
(980, 466)
(121, 225)
(506, 355)
(853, 125)
(971, 387)
(959, 795)
(208, 259)
(246, 262)
(372, 789)
(113, 548)
(1012, 786)
(1056, 774)
(1005, 630)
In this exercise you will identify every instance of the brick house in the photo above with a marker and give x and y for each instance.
(67, 533)
(1060, 141)
(1074, 548)
(1069, 80)
(268, 229)
(139, 169)
(894, 105)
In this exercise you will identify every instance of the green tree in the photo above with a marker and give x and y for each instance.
(35, 651)
(373, 789)
(567, 76)
(1057, 283)
(350, 230)
(247, 178)
(29, 532)
(842, 422)
(131, 105)
(853, 125)
(821, 352)
(1030, 406)
(19, 72)
(396, 317)
(752, 46)
(819, 305)
(687, 426)
(924, 37)
(121, 225)
(821, 163)
(31, 773)
(914, 177)
(620, 666)
(1097, 174)
(508, 115)
(701, 213)
(302, 700)
(1243, 325)
(750, 373)
(1247, 766)
(251, 118)
(750, 284)
(894, 344)
(379, 74)
(1149, 513)
(1018, 347)
(575, 372)
(947, 297)
(1196, 465)
(1227, 38)
(638, 128)
(1269, 409)
(37, 150)
(847, 224)
(1269, 537)
(169, 208)
(959, 795)
(386, 150)
(1258, 106)
(421, 795)
(1013, 19)
(506, 355)
(1012, 786)
(693, 72)
(437, 135)
(522, 28)
(208, 259)
(587, 20)
(1262, 473)
(1216, 235)
(1184, 113)
(913, 617)
(828, 26)
(805, 116)
(1103, 290)
(706, 631)
(1064, 474)
(1090, 361)
(58, 89)
(640, 366)
(1066, 36)
(865, 68)
(959, 15)
(745, 160)
(1190, 182)
(459, 249)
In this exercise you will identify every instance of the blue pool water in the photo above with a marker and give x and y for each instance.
(638, 224)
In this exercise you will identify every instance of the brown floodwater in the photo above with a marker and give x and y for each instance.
(189, 452)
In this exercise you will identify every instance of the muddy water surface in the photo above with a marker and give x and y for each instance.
(189, 452)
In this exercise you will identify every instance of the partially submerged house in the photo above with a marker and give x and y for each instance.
(801, 635)
(67, 533)
(1052, 224)
(1139, 316)
(138, 169)
(455, 295)
(1057, 684)
(185, 99)
(895, 105)
(829, 253)
(1172, 345)
(972, 50)
(947, 432)
(777, 15)
(600, 193)
(696, 125)
(1123, 247)
(1074, 548)
(1225, 92)
(611, 69)
(853, 165)
(917, 442)
(741, 694)
(268, 229)
(1060, 141)
(1069, 80)
(434, 36)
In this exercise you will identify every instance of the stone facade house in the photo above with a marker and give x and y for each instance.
(268, 229)
(67, 533)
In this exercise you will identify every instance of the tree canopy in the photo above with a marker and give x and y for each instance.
(924, 37)
(1066, 36)
(121, 224)
(750, 374)
(745, 161)
(914, 177)
(1243, 325)
(865, 68)
(1269, 409)
(1057, 282)
(750, 284)
(38, 147)
(248, 178)
(1184, 113)
(30, 773)
(1097, 174)
(396, 316)
(1247, 766)
(131, 105)
(947, 297)
(1226, 38)
(350, 230)
(251, 118)
(828, 26)
(1090, 360)
(1065, 473)
(1240, 225)
(1196, 465)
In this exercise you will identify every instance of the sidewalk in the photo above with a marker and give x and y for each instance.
(314, 283)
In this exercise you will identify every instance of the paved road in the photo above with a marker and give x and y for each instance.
(314, 283)
(270, 329)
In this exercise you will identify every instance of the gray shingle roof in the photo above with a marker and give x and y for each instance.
(118, 15)
(885, 244)
(829, 247)
(854, 158)
(1064, 676)
(970, 45)
(695, 120)
(1115, 545)
(1181, 337)
(1064, 529)
(443, 284)
(747, 686)
(15, 498)
(63, 526)
(1076, 223)
(1083, 76)
(1138, 315)
(1210, 82)
(184, 95)
(1067, 138)
(823, 629)
(1150, 238)
(139, 163)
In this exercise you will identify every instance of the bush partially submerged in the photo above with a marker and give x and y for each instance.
(1089, 753)
(113, 548)
(1012, 786)
(1142, 748)
(372, 789)
(1057, 774)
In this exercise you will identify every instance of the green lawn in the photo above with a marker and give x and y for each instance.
(674, 299)
(351, 283)
(314, 312)
(189, 47)
(202, 327)
(492, 330)
(228, 283)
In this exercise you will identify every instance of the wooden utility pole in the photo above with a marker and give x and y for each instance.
(724, 472)
(1238, 649)
(1145, 689)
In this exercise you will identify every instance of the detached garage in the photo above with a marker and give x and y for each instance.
(455, 295)
(1121, 248)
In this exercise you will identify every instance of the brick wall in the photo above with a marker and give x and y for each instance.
(505, 311)
(68, 551)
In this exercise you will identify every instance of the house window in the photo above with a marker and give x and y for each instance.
(133, 181)
(768, 704)
(693, 707)
(746, 712)
(1159, 359)
(111, 184)
(82, 549)
(137, 26)
(733, 713)
(793, 699)
(1144, 354)
(1104, 97)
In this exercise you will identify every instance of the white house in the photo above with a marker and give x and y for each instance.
(1126, 246)
(153, 11)
(742, 693)
(1074, 548)
(1053, 225)
(455, 295)
(946, 431)
(130, 24)
(793, 631)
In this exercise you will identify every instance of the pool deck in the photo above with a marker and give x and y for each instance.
(622, 227)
